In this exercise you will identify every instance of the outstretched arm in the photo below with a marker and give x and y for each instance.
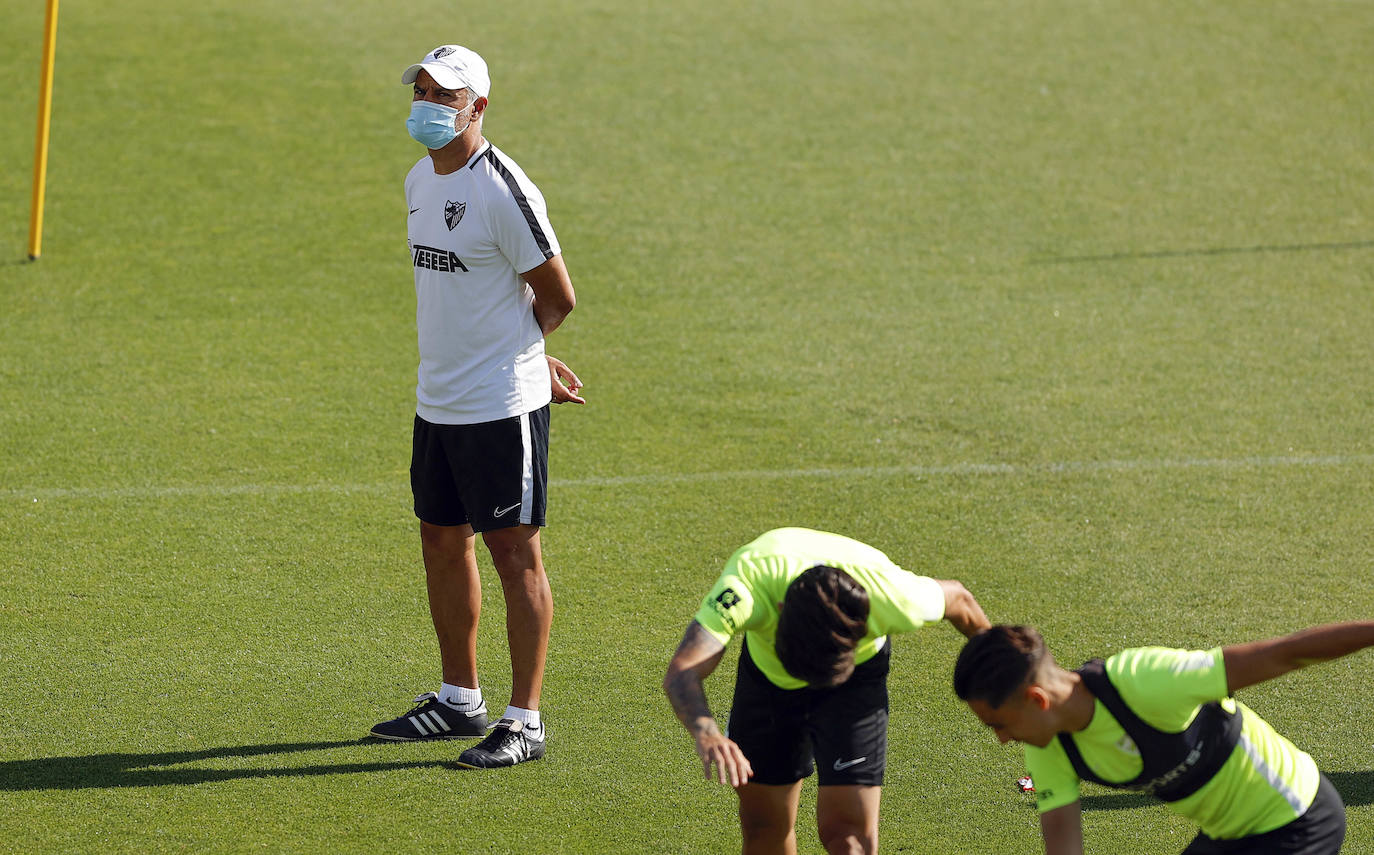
(962, 610)
(696, 657)
(1257, 661)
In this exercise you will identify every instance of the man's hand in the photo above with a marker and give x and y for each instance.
(564, 382)
(718, 750)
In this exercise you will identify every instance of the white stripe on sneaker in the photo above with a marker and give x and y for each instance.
(422, 724)
(432, 717)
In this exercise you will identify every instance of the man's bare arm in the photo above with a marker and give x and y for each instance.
(1062, 829)
(696, 657)
(961, 609)
(1257, 661)
(553, 293)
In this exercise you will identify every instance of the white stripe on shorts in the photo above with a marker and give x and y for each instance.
(526, 472)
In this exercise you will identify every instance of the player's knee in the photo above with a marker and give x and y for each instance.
(444, 538)
(764, 834)
(847, 832)
(848, 839)
(509, 552)
(764, 824)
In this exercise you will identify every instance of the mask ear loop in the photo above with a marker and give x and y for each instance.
(470, 118)
(469, 123)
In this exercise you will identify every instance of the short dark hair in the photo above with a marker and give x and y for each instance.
(824, 615)
(998, 661)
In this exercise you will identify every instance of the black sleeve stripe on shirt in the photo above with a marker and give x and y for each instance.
(535, 229)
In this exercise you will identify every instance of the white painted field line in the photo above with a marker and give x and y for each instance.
(918, 470)
(913, 470)
(195, 491)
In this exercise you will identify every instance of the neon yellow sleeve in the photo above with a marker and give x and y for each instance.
(1055, 781)
(727, 608)
(900, 601)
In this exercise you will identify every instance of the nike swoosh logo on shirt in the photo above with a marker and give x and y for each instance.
(413, 210)
(840, 766)
(501, 512)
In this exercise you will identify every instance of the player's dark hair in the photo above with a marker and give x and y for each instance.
(998, 661)
(824, 615)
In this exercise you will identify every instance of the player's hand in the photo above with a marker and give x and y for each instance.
(564, 381)
(718, 751)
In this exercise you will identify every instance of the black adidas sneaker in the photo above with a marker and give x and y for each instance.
(433, 719)
(509, 742)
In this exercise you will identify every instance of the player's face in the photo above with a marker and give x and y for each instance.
(1019, 719)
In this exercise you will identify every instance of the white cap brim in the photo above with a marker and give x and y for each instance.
(442, 74)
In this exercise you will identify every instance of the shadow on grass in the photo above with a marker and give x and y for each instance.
(152, 770)
(1356, 789)
(1118, 801)
(1216, 250)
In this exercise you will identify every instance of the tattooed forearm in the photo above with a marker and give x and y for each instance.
(688, 698)
(696, 657)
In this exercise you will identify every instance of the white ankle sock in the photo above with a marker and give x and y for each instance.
(460, 698)
(529, 717)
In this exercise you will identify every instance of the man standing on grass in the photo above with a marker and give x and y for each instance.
(1163, 722)
(490, 284)
(816, 610)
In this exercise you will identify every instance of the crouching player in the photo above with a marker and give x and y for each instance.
(816, 610)
(1163, 722)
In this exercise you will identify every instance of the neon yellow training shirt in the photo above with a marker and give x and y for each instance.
(749, 592)
(1267, 782)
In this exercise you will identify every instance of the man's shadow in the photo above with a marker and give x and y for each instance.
(1356, 789)
(153, 770)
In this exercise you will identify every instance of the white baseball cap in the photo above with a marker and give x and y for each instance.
(453, 67)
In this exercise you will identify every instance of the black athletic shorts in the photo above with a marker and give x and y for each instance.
(786, 732)
(490, 475)
(1319, 831)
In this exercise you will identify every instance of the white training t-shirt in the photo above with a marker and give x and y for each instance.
(471, 234)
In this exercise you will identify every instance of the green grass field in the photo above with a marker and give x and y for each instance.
(1072, 301)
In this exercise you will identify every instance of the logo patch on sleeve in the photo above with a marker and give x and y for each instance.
(725, 600)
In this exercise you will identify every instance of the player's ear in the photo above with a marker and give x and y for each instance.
(1038, 696)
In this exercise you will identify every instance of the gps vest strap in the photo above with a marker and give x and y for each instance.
(1176, 765)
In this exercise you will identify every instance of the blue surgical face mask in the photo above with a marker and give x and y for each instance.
(431, 124)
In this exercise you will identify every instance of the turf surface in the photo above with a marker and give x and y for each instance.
(1069, 301)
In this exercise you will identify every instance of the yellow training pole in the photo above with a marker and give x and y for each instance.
(40, 158)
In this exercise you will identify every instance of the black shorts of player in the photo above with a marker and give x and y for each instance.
(786, 733)
(1319, 831)
(490, 475)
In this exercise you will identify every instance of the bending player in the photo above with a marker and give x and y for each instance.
(816, 610)
(1163, 722)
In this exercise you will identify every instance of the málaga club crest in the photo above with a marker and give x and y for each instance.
(453, 212)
